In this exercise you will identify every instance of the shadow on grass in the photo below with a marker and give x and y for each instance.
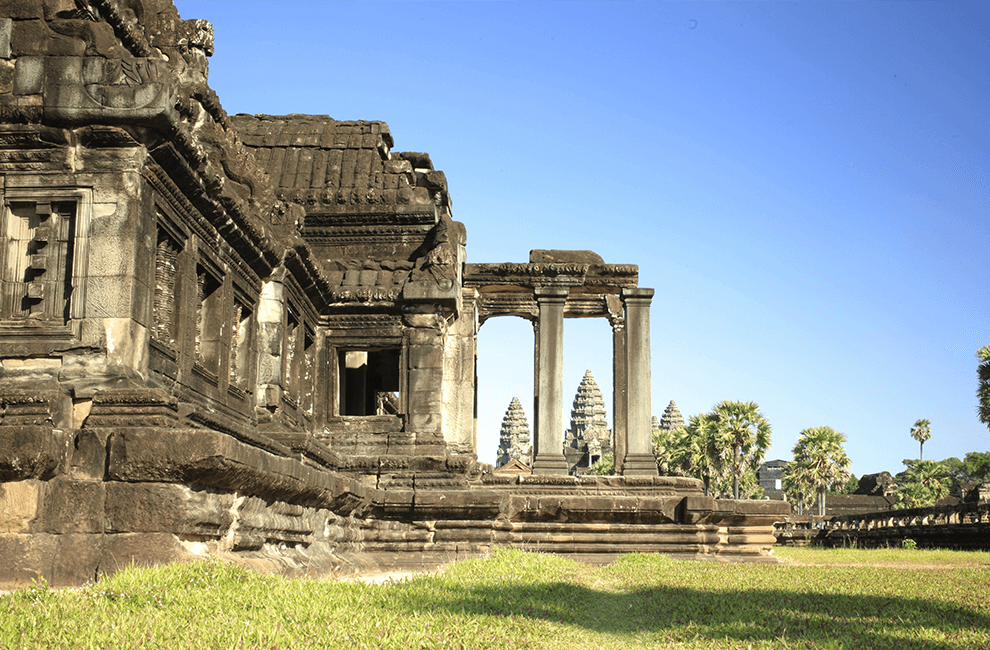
(757, 615)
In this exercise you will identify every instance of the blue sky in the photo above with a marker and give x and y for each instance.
(805, 185)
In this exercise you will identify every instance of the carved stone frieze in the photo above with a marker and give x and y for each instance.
(605, 277)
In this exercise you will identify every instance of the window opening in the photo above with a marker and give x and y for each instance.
(166, 270)
(240, 348)
(292, 355)
(209, 320)
(369, 382)
(36, 282)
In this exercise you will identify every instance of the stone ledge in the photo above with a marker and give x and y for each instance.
(212, 459)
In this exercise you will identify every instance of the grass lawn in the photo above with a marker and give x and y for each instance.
(815, 599)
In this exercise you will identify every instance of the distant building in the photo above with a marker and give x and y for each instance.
(671, 418)
(771, 475)
(588, 438)
(513, 439)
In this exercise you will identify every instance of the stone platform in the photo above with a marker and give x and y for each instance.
(83, 503)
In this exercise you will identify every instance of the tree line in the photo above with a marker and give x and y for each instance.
(725, 447)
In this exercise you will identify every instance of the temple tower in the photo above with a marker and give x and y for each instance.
(671, 418)
(513, 442)
(588, 437)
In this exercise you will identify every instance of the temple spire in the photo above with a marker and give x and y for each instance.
(588, 437)
(514, 437)
(671, 418)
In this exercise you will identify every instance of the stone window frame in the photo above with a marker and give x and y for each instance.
(347, 333)
(82, 198)
(300, 390)
(241, 354)
(167, 226)
(340, 384)
(210, 327)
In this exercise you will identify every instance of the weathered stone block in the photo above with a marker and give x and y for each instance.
(25, 557)
(6, 25)
(76, 559)
(143, 549)
(22, 9)
(62, 70)
(29, 75)
(425, 356)
(6, 74)
(111, 296)
(424, 336)
(87, 457)
(28, 452)
(425, 402)
(33, 38)
(20, 504)
(166, 508)
(73, 506)
(425, 379)
(420, 422)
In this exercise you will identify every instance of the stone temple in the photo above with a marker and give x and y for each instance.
(588, 437)
(513, 438)
(253, 337)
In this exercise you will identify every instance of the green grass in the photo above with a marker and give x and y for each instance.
(521, 600)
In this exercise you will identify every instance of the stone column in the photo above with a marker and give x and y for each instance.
(549, 441)
(619, 392)
(639, 459)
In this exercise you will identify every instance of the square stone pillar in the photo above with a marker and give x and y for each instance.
(619, 394)
(639, 460)
(548, 445)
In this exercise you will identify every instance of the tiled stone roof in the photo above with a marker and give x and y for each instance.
(347, 167)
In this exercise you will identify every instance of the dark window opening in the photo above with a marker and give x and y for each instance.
(166, 271)
(240, 348)
(209, 325)
(308, 370)
(369, 382)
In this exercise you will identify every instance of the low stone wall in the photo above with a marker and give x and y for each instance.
(78, 504)
(964, 526)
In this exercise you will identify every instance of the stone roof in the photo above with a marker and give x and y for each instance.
(345, 167)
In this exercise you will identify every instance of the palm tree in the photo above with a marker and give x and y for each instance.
(922, 484)
(983, 389)
(821, 461)
(748, 433)
(797, 486)
(698, 450)
(922, 432)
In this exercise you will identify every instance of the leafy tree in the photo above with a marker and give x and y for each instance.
(983, 387)
(748, 433)
(697, 450)
(797, 486)
(706, 449)
(820, 461)
(922, 432)
(850, 486)
(749, 485)
(665, 449)
(976, 467)
(922, 484)
(604, 466)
